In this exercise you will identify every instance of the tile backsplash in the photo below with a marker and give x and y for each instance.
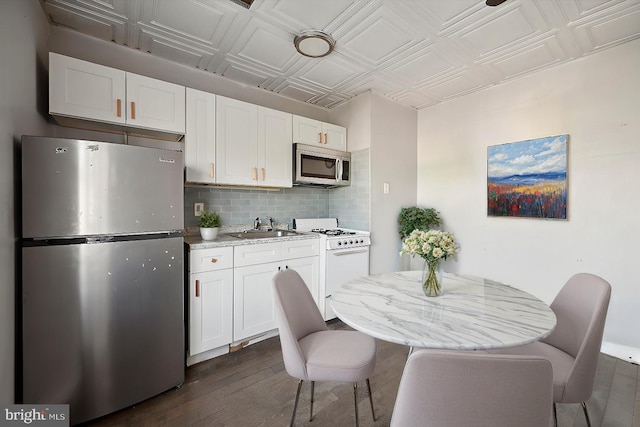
(241, 206)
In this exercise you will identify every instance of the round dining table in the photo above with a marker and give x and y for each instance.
(472, 313)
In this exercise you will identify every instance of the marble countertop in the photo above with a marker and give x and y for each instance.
(472, 314)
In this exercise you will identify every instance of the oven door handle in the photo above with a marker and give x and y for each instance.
(357, 251)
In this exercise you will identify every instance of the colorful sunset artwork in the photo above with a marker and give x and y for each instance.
(528, 178)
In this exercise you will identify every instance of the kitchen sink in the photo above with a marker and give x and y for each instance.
(256, 234)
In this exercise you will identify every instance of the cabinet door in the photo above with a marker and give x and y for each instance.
(335, 137)
(274, 148)
(307, 268)
(307, 131)
(82, 89)
(236, 142)
(200, 137)
(253, 305)
(210, 310)
(154, 104)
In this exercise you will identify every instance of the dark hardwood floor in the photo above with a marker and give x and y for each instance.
(251, 388)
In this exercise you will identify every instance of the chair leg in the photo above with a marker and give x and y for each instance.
(373, 414)
(586, 413)
(555, 415)
(295, 403)
(313, 384)
(355, 400)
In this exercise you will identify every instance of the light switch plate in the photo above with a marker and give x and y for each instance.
(198, 208)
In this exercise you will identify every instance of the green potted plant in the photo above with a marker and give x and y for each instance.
(209, 222)
(415, 218)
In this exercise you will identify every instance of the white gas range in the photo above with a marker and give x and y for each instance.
(344, 256)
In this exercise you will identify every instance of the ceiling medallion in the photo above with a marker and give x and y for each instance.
(314, 44)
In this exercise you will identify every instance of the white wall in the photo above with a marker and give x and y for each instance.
(22, 69)
(355, 115)
(393, 150)
(390, 131)
(596, 100)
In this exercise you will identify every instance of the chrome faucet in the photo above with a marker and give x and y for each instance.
(257, 223)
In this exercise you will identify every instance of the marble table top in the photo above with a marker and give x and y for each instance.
(471, 314)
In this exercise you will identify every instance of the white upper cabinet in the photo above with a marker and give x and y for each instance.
(275, 148)
(236, 142)
(83, 90)
(335, 136)
(154, 104)
(200, 137)
(253, 145)
(314, 132)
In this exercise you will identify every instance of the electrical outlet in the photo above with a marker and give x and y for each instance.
(198, 208)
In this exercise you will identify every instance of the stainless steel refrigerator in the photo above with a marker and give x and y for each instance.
(102, 274)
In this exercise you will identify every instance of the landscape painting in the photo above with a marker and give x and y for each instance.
(528, 178)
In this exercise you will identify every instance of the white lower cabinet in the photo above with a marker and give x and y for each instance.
(230, 296)
(210, 299)
(253, 303)
(253, 306)
(210, 313)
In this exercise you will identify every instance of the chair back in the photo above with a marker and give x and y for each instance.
(442, 388)
(298, 316)
(581, 310)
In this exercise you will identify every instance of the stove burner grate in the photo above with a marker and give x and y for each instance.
(334, 232)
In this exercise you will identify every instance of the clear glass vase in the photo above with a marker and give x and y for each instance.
(432, 279)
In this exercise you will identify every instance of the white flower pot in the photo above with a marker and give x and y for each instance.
(208, 233)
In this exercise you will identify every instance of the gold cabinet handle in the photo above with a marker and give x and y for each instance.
(262, 173)
(119, 107)
(197, 288)
(211, 170)
(255, 174)
(133, 110)
(320, 135)
(214, 260)
(326, 138)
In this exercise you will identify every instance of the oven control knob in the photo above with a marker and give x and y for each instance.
(339, 243)
(351, 242)
(361, 241)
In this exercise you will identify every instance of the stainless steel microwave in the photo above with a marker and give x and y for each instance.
(321, 166)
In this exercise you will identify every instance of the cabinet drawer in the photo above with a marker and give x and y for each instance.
(257, 254)
(300, 248)
(201, 260)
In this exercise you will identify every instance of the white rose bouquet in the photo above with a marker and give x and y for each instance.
(433, 246)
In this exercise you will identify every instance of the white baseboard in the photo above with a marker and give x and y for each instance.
(623, 352)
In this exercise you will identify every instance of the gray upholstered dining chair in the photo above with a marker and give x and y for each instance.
(311, 351)
(472, 389)
(574, 345)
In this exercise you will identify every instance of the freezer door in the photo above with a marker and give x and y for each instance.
(83, 188)
(103, 324)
